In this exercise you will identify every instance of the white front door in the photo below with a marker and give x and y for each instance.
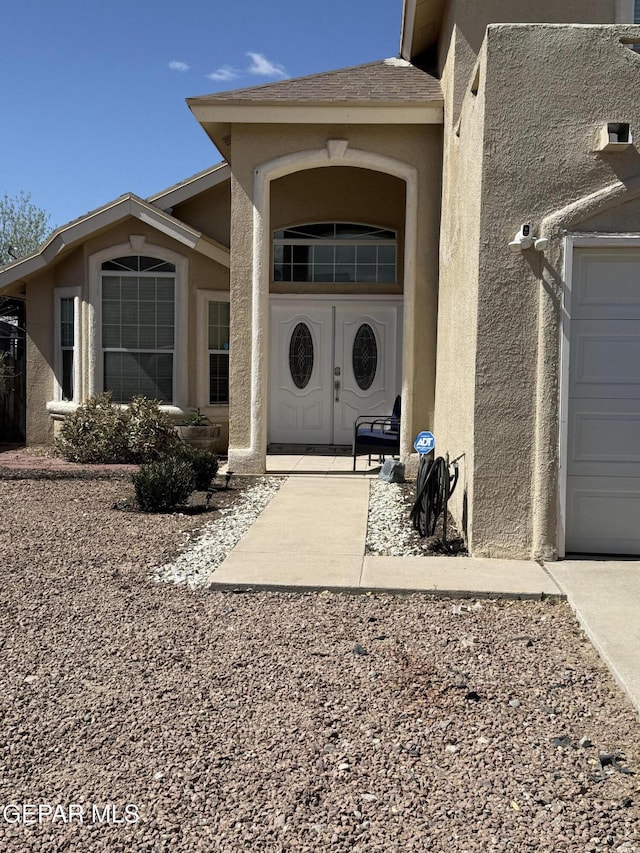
(330, 362)
(603, 459)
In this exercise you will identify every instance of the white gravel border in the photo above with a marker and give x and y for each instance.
(200, 556)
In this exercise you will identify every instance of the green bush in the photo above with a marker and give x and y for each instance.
(102, 432)
(150, 433)
(95, 432)
(164, 485)
(203, 462)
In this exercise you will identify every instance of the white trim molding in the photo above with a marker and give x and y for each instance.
(253, 457)
(95, 366)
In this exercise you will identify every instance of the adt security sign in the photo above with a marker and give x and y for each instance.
(425, 442)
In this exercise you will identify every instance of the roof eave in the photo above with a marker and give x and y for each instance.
(191, 187)
(68, 236)
(421, 22)
(224, 113)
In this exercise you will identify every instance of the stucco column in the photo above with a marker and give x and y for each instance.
(249, 318)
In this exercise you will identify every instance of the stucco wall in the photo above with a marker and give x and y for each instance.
(458, 297)
(548, 91)
(465, 23)
(255, 145)
(209, 212)
(39, 308)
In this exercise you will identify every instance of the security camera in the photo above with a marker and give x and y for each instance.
(523, 239)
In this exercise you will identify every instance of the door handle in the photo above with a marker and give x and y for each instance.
(336, 386)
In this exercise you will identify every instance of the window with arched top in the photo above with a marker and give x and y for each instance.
(335, 252)
(138, 327)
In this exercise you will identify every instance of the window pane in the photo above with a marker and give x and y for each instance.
(301, 254)
(335, 252)
(129, 287)
(164, 313)
(130, 337)
(127, 375)
(323, 272)
(111, 313)
(366, 272)
(282, 273)
(165, 289)
(164, 337)
(218, 325)
(138, 313)
(218, 378)
(67, 374)
(367, 254)
(66, 322)
(110, 287)
(111, 336)
(301, 272)
(147, 338)
(323, 254)
(147, 313)
(345, 254)
(346, 272)
(386, 254)
(386, 272)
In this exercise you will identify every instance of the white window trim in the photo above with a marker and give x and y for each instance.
(59, 294)
(180, 401)
(203, 298)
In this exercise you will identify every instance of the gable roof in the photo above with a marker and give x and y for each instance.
(385, 81)
(390, 91)
(129, 205)
(191, 187)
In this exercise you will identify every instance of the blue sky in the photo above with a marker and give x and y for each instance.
(93, 91)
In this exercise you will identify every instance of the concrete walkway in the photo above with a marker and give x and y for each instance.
(312, 537)
(605, 595)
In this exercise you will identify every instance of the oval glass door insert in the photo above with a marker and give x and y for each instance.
(301, 355)
(365, 356)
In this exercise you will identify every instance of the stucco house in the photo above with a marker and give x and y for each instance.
(460, 225)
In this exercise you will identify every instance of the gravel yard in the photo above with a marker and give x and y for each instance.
(280, 722)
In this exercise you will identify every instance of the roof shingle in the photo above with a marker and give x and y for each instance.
(385, 81)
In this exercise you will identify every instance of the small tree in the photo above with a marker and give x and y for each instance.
(23, 226)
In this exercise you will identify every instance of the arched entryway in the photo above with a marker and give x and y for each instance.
(313, 164)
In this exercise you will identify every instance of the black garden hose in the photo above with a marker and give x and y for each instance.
(434, 487)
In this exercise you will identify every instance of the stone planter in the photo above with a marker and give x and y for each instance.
(203, 437)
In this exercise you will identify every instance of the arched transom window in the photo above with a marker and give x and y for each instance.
(335, 252)
(138, 327)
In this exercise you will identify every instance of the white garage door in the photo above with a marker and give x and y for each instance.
(603, 461)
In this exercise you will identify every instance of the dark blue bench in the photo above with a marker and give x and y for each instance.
(377, 435)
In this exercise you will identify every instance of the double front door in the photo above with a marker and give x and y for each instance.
(330, 362)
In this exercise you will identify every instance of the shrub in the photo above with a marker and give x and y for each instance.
(150, 433)
(203, 462)
(162, 486)
(102, 432)
(95, 432)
